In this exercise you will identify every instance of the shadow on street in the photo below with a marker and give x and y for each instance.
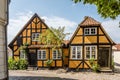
(37, 78)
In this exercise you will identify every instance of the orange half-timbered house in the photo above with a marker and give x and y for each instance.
(90, 41)
(37, 53)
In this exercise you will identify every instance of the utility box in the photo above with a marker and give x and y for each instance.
(3, 39)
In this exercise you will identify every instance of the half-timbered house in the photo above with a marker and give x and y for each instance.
(37, 54)
(89, 41)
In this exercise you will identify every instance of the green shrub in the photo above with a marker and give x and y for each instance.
(21, 64)
(49, 62)
(94, 66)
(92, 61)
(12, 64)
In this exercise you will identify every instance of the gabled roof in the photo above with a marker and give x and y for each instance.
(31, 19)
(88, 21)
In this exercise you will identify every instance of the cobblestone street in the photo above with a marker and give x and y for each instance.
(60, 75)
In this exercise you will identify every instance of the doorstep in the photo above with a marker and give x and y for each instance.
(105, 69)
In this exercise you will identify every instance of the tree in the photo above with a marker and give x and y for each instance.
(106, 8)
(48, 38)
(53, 38)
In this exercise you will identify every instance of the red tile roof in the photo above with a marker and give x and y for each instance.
(66, 42)
(118, 46)
(88, 21)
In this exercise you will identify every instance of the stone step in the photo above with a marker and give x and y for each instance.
(106, 69)
(32, 68)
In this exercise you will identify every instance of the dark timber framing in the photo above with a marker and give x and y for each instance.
(34, 25)
(94, 24)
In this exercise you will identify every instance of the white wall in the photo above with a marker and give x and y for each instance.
(2, 53)
(3, 21)
(117, 58)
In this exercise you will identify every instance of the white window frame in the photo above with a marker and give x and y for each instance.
(35, 36)
(58, 55)
(76, 52)
(91, 52)
(90, 31)
(41, 52)
(22, 54)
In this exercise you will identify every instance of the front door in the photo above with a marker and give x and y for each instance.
(103, 57)
(32, 57)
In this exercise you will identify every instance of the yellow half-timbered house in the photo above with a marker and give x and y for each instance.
(37, 54)
(90, 41)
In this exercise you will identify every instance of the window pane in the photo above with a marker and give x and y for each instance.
(73, 56)
(35, 36)
(59, 56)
(78, 56)
(73, 52)
(93, 31)
(87, 31)
(54, 54)
(44, 54)
(78, 52)
(88, 52)
(39, 54)
(93, 52)
(22, 54)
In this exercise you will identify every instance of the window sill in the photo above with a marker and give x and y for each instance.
(90, 34)
(42, 59)
(89, 59)
(34, 41)
(75, 59)
(56, 59)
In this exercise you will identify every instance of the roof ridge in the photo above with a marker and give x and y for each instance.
(89, 21)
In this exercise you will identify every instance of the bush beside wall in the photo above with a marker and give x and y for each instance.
(20, 64)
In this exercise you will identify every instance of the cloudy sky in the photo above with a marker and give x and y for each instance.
(57, 13)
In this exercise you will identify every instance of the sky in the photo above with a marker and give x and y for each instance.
(57, 13)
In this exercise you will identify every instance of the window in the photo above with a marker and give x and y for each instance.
(76, 52)
(93, 30)
(91, 52)
(23, 54)
(35, 36)
(87, 30)
(90, 31)
(56, 54)
(41, 54)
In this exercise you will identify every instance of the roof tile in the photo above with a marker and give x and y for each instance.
(118, 46)
(88, 21)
